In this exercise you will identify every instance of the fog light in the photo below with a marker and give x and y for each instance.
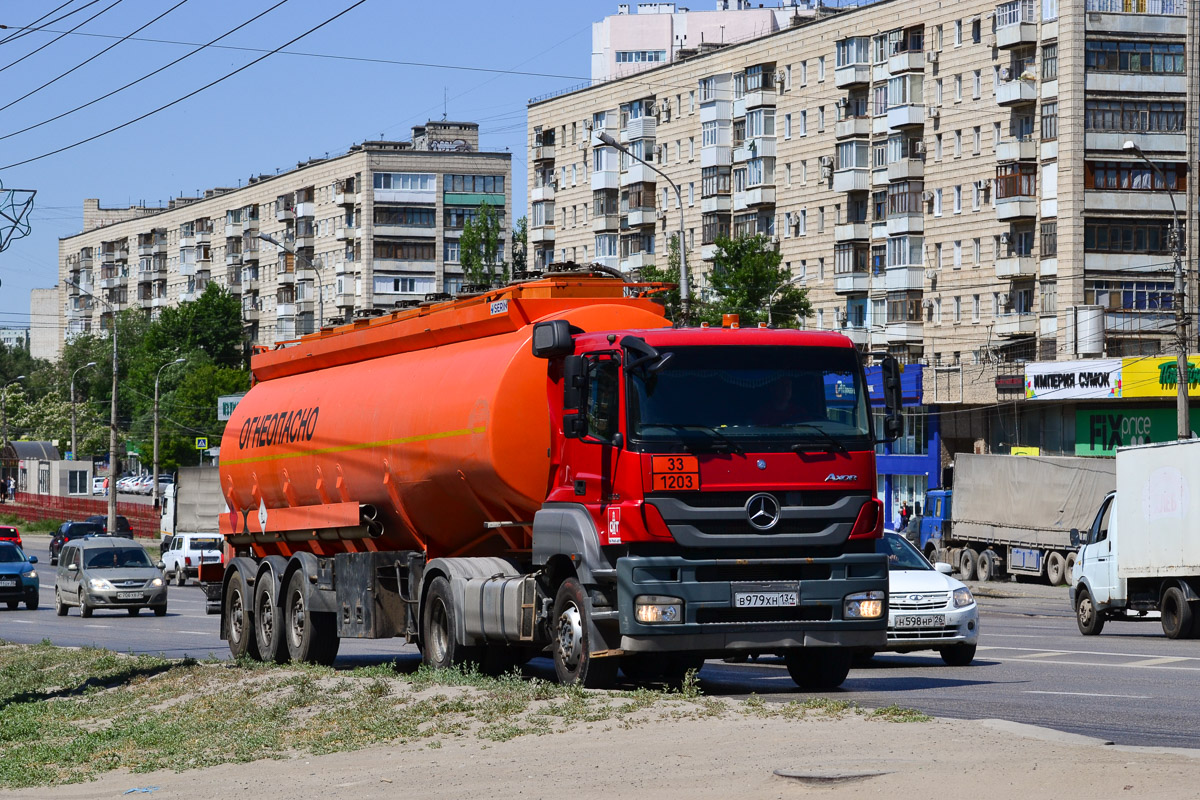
(863, 605)
(652, 609)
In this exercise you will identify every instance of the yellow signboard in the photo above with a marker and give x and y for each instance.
(1156, 376)
(1026, 451)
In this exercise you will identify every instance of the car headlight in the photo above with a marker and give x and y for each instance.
(156, 582)
(863, 605)
(100, 585)
(651, 609)
(31, 574)
(962, 597)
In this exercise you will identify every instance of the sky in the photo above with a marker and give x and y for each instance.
(284, 109)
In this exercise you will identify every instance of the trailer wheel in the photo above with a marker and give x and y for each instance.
(1176, 614)
(438, 647)
(571, 635)
(989, 565)
(968, 561)
(242, 639)
(818, 668)
(1056, 568)
(268, 621)
(1069, 575)
(311, 635)
(1090, 621)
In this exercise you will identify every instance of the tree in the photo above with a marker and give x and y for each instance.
(746, 274)
(520, 245)
(188, 410)
(479, 248)
(668, 298)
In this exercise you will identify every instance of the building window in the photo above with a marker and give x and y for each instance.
(1050, 62)
(1129, 295)
(820, 69)
(803, 123)
(958, 88)
(976, 84)
(787, 126)
(976, 32)
(958, 255)
(1157, 58)
(1050, 120)
(977, 248)
(958, 309)
(641, 56)
(977, 138)
(958, 199)
(958, 144)
(1049, 239)
(937, 202)
(1134, 176)
(1133, 116)
(958, 33)
(903, 306)
(1150, 237)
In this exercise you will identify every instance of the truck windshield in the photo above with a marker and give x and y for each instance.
(763, 398)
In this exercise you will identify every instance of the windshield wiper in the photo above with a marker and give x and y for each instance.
(833, 446)
(723, 439)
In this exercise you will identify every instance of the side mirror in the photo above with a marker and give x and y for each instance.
(618, 441)
(943, 567)
(1076, 539)
(72, 568)
(574, 380)
(552, 339)
(33, 559)
(893, 398)
(574, 426)
(160, 565)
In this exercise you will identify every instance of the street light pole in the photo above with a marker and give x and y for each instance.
(266, 237)
(685, 298)
(778, 289)
(4, 405)
(1183, 421)
(74, 440)
(157, 375)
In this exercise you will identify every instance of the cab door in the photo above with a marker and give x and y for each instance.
(1098, 558)
(592, 454)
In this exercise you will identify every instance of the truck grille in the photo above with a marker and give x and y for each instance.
(719, 519)
(909, 602)
(762, 573)
(792, 614)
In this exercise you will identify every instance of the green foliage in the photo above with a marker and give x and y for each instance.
(669, 299)
(520, 245)
(480, 249)
(746, 275)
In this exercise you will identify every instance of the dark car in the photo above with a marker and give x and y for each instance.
(71, 530)
(10, 534)
(123, 528)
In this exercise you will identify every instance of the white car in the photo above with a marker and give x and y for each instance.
(98, 487)
(927, 609)
(187, 551)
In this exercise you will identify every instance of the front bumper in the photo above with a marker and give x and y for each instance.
(710, 621)
(961, 627)
(22, 588)
(150, 596)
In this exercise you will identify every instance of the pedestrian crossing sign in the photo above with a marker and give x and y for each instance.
(201, 442)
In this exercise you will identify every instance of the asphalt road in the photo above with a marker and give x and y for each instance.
(1131, 685)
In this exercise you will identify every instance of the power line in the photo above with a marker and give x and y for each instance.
(58, 38)
(33, 27)
(146, 76)
(93, 58)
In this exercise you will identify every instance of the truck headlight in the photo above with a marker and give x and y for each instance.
(962, 597)
(863, 605)
(100, 585)
(652, 609)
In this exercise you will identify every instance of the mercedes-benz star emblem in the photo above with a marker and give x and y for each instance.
(763, 511)
(762, 464)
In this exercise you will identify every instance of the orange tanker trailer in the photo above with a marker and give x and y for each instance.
(550, 467)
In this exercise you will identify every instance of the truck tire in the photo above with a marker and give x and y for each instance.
(1069, 572)
(819, 668)
(311, 635)
(1177, 614)
(571, 641)
(1087, 617)
(989, 565)
(968, 561)
(438, 646)
(239, 619)
(1056, 568)
(268, 621)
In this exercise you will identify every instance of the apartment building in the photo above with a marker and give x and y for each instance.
(957, 184)
(375, 228)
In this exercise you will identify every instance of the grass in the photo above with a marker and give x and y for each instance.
(68, 715)
(29, 526)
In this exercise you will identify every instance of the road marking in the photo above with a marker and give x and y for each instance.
(1150, 662)
(1044, 654)
(198, 633)
(1090, 694)
(1089, 652)
(20, 622)
(99, 626)
(1097, 664)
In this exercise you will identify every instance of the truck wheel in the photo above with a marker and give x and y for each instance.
(1090, 621)
(1056, 568)
(967, 563)
(819, 668)
(573, 661)
(958, 655)
(268, 621)
(1069, 569)
(438, 646)
(989, 565)
(242, 641)
(311, 635)
(1176, 614)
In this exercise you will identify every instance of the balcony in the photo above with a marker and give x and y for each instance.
(1138, 321)
(906, 61)
(1016, 150)
(282, 214)
(1149, 142)
(716, 155)
(1141, 18)
(851, 127)
(758, 147)
(1019, 207)
(761, 98)
(716, 203)
(708, 252)
(542, 194)
(344, 299)
(343, 198)
(285, 309)
(233, 229)
(306, 209)
(1025, 324)
(879, 177)
(902, 223)
(1135, 83)
(250, 315)
(233, 259)
(304, 240)
(860, 336)
(188, 295)
(606, 179)
(203, 237)
(757, 196)
(543, 152)
(855, 179)
(187, 270)
(906, 169)
(640, 128)
(1016, 267)
(348, 233)
(606, 222)
(638, 173)
(1013, 93)
(851, 283)
(852, 231)
(851, 75)
(1016, 24)
(542, 233)
(904, 332)
(904, 278)
(637, 261)
(1159, 201)
(285, 278)
(906, 116)
(637, 217)
(249, 255)
(1015, 195)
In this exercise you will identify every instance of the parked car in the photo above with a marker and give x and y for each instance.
(927, 609)
(71, 530)
(18, 578)
(10, 534)
(184, 555)
(98, 487)
(108, 572)
(123, 527)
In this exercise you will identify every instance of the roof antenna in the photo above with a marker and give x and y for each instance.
(445, 103)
